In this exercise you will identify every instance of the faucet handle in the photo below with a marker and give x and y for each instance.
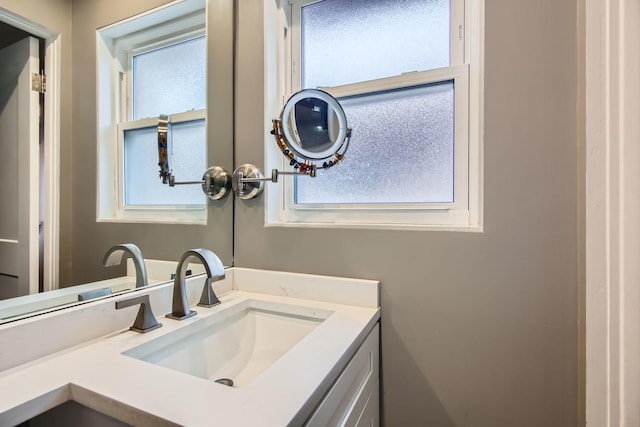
(145, 320)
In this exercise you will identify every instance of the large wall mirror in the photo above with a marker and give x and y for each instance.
(76, 232)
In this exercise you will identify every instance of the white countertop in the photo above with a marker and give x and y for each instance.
(98, 376)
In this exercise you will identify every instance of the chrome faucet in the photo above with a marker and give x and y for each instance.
(215, 271)
(115, 255)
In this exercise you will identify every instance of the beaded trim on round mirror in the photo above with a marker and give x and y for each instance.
(312, 128)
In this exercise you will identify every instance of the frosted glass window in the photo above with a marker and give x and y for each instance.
(188, 162)
(401, 150)
(170, 80)
(346, 41)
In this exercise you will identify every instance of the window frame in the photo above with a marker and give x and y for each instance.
(117, 45)
(464, 70)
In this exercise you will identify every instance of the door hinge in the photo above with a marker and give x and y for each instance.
(39, 82)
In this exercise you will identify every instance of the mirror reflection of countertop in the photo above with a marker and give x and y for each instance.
(29, 305)
(99, 376)
(36, 304)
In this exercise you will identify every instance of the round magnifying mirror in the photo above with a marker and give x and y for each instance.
(314, 125)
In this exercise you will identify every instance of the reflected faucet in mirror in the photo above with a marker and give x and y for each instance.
(215, 271)
(116, 254)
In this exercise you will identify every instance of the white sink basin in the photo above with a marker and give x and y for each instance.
(237, 343)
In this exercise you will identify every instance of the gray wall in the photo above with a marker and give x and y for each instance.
(90, 240)
(478, 329)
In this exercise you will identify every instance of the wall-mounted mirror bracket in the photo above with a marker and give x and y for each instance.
(248, 181)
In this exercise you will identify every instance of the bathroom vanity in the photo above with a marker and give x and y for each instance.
(299, 349)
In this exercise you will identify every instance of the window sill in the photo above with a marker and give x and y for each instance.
(157, 216)
(365, 226)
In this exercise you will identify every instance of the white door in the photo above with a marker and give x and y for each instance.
(612, 59)
(19, 169)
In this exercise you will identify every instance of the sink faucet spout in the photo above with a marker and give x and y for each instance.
(215, 271)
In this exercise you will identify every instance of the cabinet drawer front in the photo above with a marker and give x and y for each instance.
(349, 394)
(370, 415)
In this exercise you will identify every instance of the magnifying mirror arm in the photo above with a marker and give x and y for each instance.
(310, 172)
(275, 173)
(248, 180)
(173, 182)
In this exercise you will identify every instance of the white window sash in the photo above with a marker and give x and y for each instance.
(463, 211)
(141, 48)
(406, 80)
(391, 213)
(457, 54)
